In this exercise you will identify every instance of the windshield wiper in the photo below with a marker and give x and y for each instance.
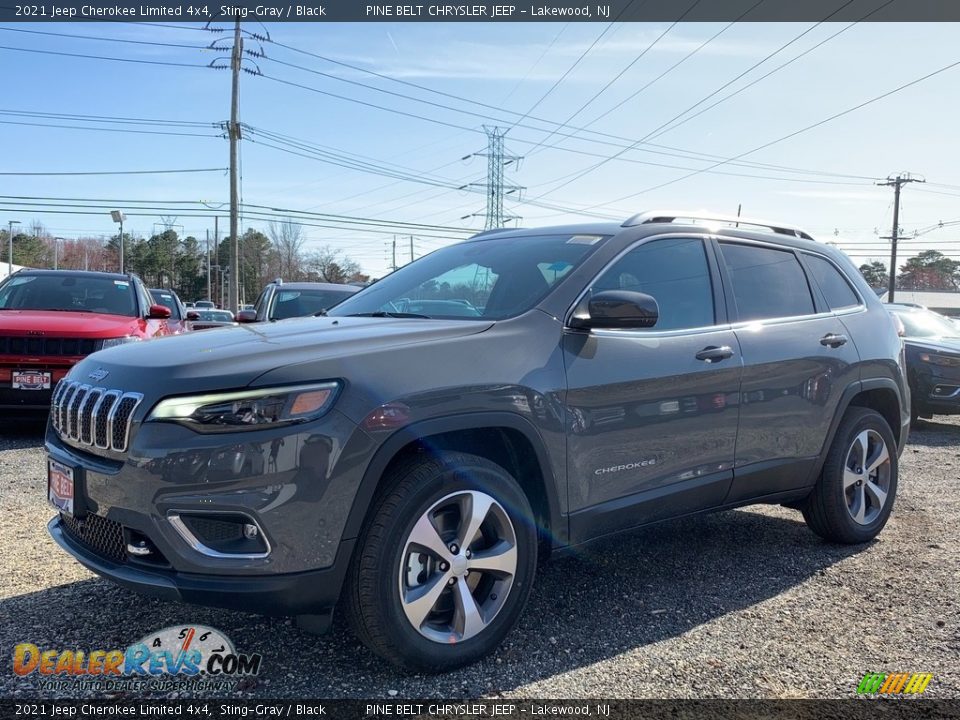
(384, 313)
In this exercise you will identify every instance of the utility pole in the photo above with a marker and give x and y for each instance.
(411, 248)
(394, 252)
(896, 183)
(494, 188)
(216, 244)
(208, 263)
(235, 59)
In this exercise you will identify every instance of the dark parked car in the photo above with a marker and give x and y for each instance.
(280, 300)
(932, 344)
(412, 468)
(51, 319)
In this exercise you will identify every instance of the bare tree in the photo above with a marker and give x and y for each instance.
(332, 265)
(287, 237)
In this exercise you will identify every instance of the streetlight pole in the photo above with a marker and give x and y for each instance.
(10, 225)
(56, 252)
(119, 217)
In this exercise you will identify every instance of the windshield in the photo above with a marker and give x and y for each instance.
(68, 293)
(297, 303)
(162, 297)
(490, 279)
(923, 323)
(215, 315)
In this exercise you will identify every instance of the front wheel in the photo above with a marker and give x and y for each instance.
(852, 500)
(445, 565)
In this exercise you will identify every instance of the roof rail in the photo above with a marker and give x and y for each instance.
(662, 216)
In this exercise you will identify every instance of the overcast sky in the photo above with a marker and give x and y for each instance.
(512, 67)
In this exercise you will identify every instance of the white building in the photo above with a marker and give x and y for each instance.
(3, 269)
(946, 303)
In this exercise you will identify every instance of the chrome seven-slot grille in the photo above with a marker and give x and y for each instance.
(93, 416)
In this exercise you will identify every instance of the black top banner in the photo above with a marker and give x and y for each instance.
(200, 11)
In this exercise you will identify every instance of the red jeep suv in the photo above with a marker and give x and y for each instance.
(52, 319)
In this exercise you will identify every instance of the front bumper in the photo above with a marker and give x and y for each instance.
(307, 593)
(296, 485)
(34, 400)
(937, 391)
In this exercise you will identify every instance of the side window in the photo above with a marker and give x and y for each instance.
(834, 286)
(675, 272)
(144, 298)
(767, 283)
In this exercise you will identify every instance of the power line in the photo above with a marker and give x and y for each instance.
(107, 118)
(104, 39)
(577, 131)
(119, 172)
(102, 57)
(774, 70)
(106, 129)
(649, 135)
(380, 107)
(165, 206)
(621, 74)
(794, 133)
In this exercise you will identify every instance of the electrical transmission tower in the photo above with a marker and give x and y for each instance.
(494, 188)
(896, 183)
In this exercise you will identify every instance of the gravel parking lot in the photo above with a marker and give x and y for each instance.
(739, 604)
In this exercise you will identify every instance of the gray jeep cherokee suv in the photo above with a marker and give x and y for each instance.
(411, 469)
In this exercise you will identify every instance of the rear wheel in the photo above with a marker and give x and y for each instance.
(445, 565)
(852, 500)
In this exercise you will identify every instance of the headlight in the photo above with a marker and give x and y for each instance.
(942, 360)
(113, 342)
(248, 409)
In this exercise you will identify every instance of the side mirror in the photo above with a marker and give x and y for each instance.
(623, 309)
(158, 312)
(193, 315)
(246, 316)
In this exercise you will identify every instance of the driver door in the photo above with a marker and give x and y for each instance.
(654, 411)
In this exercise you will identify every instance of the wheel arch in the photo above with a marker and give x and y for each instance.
(504, 438)
(880, 394)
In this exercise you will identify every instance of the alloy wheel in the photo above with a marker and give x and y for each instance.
(458, 566)
(866, 477)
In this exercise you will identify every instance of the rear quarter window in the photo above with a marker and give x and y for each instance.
(834, 286)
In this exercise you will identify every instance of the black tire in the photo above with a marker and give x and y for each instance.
(825, 510)
(373, 603)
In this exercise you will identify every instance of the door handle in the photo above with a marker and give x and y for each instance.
(833, 340)
(715, 354)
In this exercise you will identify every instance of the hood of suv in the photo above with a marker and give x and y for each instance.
(234, 357)
(65, 324)
(941, 344)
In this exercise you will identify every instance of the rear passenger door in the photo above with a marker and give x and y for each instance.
(798, 359)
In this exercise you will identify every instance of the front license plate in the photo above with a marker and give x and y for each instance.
(60, 486)
(28, 380)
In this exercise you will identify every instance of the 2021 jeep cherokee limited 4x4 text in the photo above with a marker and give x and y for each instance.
(410, 468)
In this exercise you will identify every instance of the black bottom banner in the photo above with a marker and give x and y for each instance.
(483, 708)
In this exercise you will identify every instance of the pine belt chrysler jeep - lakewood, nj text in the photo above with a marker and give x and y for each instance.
(411, 467)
